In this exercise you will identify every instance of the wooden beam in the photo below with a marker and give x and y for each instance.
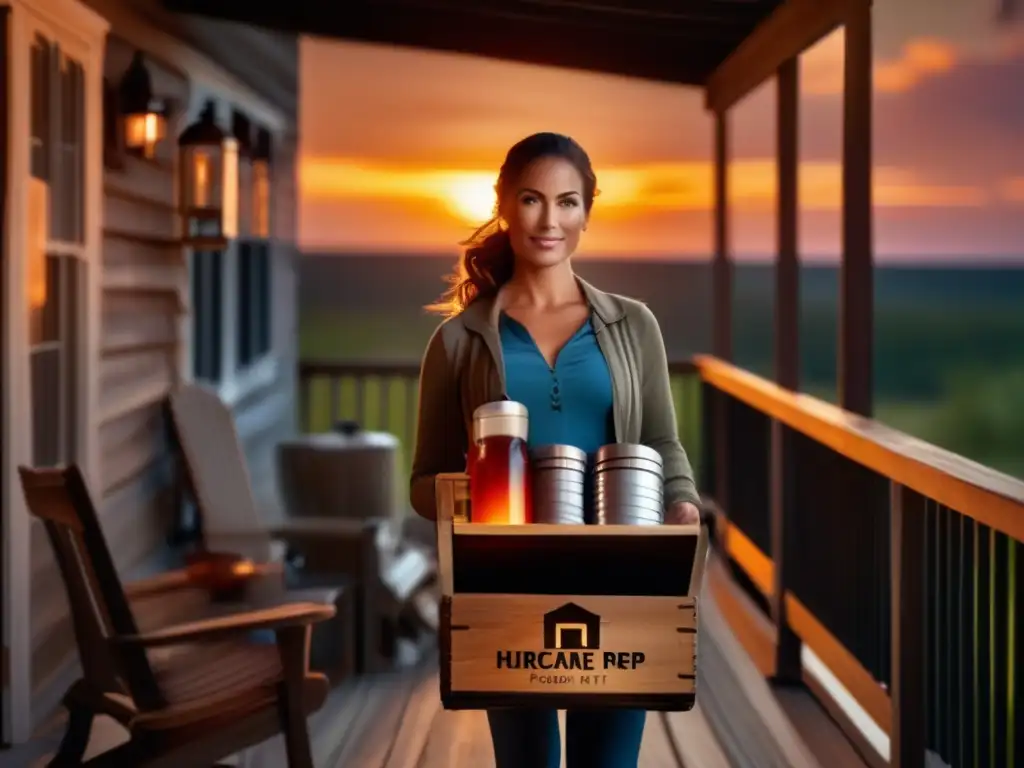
(665, 52)
(856, 282)
(791, 29)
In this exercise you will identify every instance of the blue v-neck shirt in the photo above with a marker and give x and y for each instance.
(569, 403)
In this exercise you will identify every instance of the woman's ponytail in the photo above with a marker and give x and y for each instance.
(486, 264)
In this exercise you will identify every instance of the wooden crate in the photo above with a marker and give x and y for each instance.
(566, 616)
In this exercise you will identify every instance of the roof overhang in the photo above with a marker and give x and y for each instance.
(728, 46)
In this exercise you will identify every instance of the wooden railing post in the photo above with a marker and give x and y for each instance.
(788, 666)
(722, 310)
(856, 286)
(907, 518)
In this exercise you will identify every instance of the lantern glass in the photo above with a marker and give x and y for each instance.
(245, 208)
(261, 198)
(143, 131)
(210, 192)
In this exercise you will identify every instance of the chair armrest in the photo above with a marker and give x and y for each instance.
(162, 583)
(303, 527)
(205, 630)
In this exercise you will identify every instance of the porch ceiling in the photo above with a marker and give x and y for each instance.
(676, 41)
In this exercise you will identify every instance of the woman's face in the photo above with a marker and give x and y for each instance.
(544, 212)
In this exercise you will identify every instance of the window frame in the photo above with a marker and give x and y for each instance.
(81, 33)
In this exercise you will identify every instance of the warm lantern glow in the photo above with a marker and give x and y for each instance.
(201, 178)
(142, 132)
(209, 187)
(38, 233)
(229, 180)
(261, 199)
(145, 121)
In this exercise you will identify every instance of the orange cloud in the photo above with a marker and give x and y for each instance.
(627, 191)
(822, 67)
(1012, 189)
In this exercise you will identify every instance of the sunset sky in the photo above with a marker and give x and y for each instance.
(401, 148)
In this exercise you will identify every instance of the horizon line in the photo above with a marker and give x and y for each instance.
(757, 258)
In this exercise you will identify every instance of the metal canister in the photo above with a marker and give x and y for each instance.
(629, 485)
(559, 484)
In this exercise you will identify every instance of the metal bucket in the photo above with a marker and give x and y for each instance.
(559, 484)
(629, 485)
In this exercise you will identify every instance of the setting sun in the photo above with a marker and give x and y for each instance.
(471, 196)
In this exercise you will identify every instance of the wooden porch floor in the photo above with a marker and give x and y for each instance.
(396, 721)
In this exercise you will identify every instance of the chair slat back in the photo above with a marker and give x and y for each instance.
(215, 467)
(99, 607)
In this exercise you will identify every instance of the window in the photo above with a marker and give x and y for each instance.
(57, 247)
(207, 315)
(254, 266)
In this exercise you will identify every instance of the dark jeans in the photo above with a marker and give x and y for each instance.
(598, 738)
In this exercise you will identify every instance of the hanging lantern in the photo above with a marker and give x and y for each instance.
(209, 186)
(145, 118)
(261, 185)
(242, 131)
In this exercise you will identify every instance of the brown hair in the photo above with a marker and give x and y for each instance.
(488, 261)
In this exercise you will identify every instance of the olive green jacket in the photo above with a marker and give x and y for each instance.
(463, 369)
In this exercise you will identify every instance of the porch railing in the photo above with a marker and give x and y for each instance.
(383, 396)
(897, 563)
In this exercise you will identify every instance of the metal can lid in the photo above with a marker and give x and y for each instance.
(627, 451)
(500, 408)
(542, 452)
(501, 418)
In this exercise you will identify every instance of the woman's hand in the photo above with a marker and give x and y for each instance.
(682, 513)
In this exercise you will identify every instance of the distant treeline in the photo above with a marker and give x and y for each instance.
(932, 324)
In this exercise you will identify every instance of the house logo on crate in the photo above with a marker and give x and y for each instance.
(572, 628)
(572, 641)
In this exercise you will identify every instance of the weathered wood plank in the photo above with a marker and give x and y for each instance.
(123, 377)
(657, 749)
(136, 216)
(131, 321)
(148, 180)
(458, 738)
(693, 737)
(424, 705)
(377, 736)
(143, 277)
(131, 444)
(119, 251)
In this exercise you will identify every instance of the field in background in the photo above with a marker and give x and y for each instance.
(949, 360)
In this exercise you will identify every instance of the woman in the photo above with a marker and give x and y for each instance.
(589, 366)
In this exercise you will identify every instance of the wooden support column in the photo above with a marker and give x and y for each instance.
(788, 667)
(907, 733)
(721, 279)
(856, 286)
(722, 263)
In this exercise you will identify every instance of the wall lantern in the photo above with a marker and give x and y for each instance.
(241, 128)
(145, 118)
(209, 184)
(261, 185)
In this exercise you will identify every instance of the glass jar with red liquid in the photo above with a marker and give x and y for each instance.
(500, 491)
